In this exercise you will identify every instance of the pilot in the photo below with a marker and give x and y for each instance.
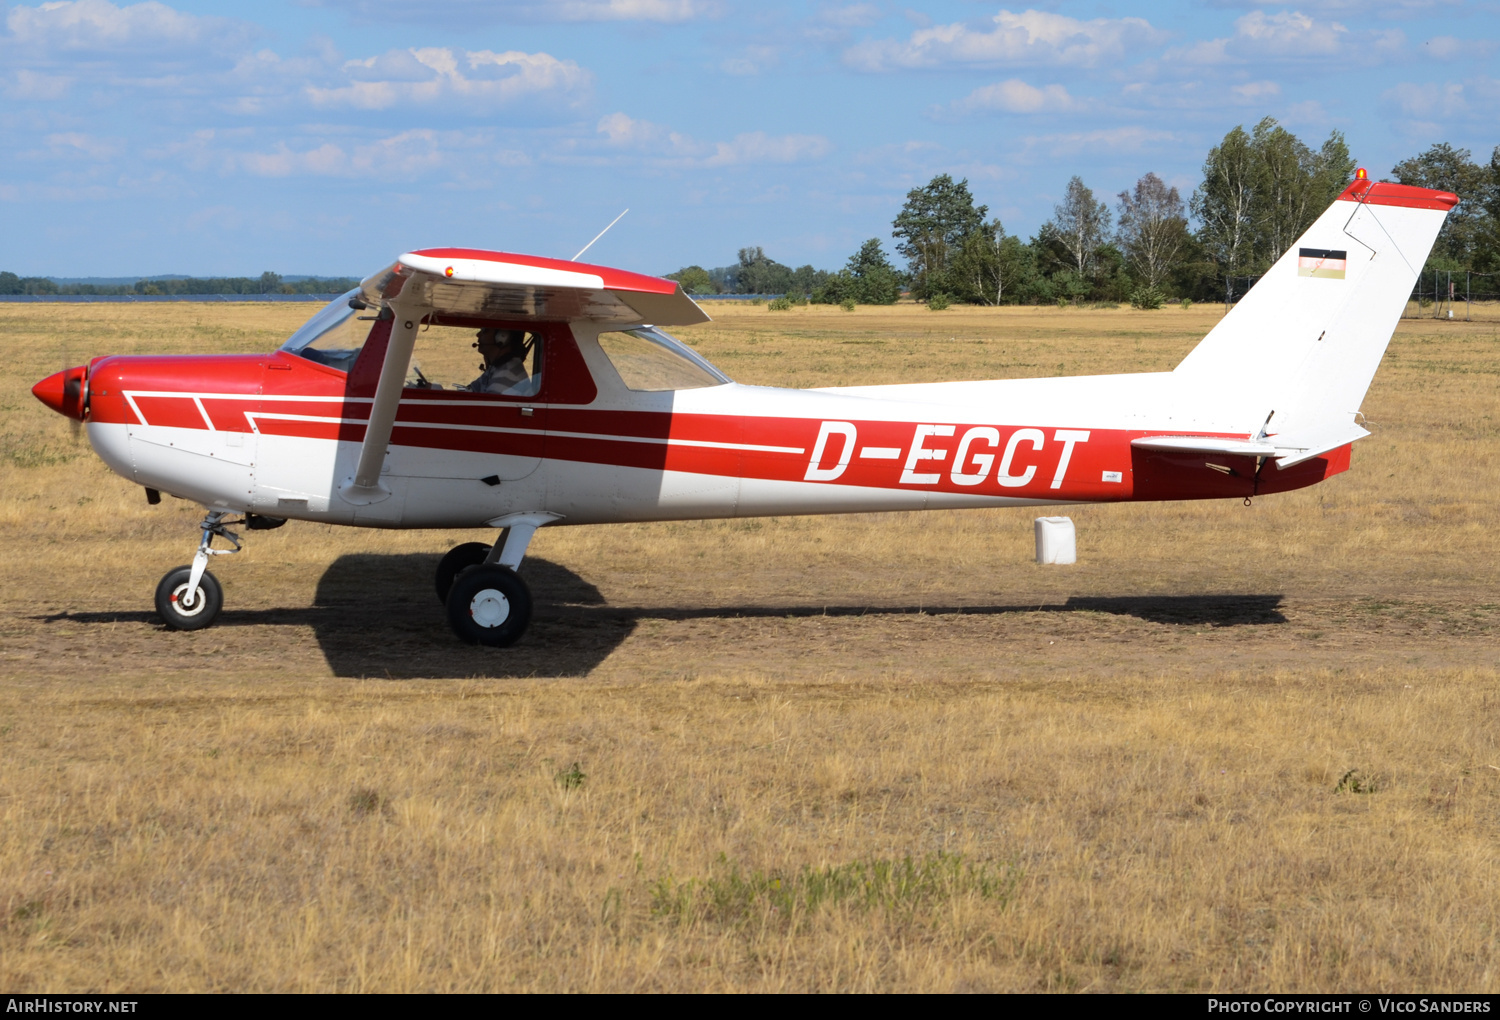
(504, 369)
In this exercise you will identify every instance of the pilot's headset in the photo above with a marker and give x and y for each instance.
(504, 338)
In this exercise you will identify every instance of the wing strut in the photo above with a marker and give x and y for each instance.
(364, 487)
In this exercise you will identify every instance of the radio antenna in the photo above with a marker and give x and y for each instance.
(601, 233)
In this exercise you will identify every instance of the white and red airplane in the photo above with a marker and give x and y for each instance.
(610, 419)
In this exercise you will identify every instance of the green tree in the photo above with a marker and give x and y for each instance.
(985, 263)
(1153, 230)
(1079, 226)
(270, 283)
(1261, 191)
(757, 274)
(1461, 240)
(1293, 185)
(1487, 260)
(1223, 202)
(873, 280)
(10, 283)
(805, 280)
(694, 280)
(930, 229)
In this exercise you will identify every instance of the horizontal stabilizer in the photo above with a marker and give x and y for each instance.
(1289, 450)
(1206, 444)
(1293, 450)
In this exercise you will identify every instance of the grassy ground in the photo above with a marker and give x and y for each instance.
(1233, 748)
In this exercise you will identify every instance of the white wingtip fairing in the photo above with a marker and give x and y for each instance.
(1303, 345)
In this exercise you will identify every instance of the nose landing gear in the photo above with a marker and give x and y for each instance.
(189, 597)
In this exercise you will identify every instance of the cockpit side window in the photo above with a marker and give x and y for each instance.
(649, 360)
(336, 334)
(478, 358)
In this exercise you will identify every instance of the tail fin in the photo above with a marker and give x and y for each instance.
(1298, 352)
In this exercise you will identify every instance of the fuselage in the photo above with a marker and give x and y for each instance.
(277, 434)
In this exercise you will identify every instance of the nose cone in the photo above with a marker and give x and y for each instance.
(65, 392)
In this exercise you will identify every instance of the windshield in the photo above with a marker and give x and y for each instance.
(335, 335)
(649, 360)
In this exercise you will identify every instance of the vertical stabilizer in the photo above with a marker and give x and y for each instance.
(1306, 340)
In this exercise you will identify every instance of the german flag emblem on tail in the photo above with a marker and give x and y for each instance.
(1323, 263)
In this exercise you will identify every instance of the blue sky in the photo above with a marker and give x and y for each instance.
(328, 136)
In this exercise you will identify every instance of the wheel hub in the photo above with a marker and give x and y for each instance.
(188, 603)
(489, 608)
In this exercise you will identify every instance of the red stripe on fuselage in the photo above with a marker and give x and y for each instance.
(712, 444)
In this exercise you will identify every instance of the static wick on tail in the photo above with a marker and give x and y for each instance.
(601, 233)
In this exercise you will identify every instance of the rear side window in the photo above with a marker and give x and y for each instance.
(649, 360)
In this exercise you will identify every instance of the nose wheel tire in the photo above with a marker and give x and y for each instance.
(454, 562)
(489, 606)
(184, 610)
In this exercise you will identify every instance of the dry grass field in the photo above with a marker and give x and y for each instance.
(1233, 748)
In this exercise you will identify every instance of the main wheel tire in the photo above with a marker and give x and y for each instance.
(454, 562)
(489, 606)
(180, 613)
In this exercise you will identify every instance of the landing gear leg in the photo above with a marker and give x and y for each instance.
(489, 604)
(189, 597)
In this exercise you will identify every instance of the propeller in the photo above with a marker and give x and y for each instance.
(72, 391)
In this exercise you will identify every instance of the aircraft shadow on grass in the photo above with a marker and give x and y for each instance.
(377, 616)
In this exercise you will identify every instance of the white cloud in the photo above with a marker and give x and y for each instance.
(672, 148)
(1113, 140)
(753, 60)
(834, 26)
(1428, 99)
(99, 26)
(759, 147)
(628, 10)
(1366, 9)
(1255, 91)
(624, 130)
(72, 143)
(1446, 47)
(401, 156)
(481, 12)
(1309, 111)
(851, 15)
(419, 76)
(1016, 96)
(34, 85)
(627, 132)
(1288, 36)
(1288, 33)
(1031, 37)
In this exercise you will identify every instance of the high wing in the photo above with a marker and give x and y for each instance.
(501, 285)
(496, 285)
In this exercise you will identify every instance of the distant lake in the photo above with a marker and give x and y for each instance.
(323, 298)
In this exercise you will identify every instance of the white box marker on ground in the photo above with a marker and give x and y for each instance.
(1056, 541)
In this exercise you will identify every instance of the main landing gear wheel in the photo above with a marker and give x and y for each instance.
(185, 610)
(489, 606)
(454, 562)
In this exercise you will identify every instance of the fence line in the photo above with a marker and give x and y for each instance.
(1447, 292)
